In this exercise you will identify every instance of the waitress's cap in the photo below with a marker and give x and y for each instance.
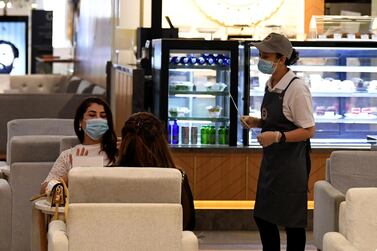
(275, 43)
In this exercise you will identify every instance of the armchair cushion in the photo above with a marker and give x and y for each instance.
(124, 226)
(133, 185)
(334, 241)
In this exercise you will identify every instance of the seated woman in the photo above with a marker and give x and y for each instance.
(93, 125)
(144, 144)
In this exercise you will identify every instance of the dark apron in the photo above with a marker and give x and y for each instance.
(282, 185)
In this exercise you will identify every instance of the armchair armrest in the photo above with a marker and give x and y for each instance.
(4, 172)
(5, 215)
(57, 236)
(334, 241)
(189, 241)
(326, 210)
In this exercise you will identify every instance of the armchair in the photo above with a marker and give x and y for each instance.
(357, 223)
(344, 170)
(137, 209)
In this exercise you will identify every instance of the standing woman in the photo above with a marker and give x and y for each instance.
(287, 124)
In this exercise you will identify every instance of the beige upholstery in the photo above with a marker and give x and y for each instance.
(30, 159)
(358, 223)
(131, 185)
(344, 170)
(37, 83)
(123, 209)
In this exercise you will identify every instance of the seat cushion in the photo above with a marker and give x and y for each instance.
(124, 226)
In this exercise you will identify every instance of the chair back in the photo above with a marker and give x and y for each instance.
(40, 126)
(125, 185)
(349, 169)
(359, 218)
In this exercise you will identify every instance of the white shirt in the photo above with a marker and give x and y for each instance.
(297, 102)
(63, 164)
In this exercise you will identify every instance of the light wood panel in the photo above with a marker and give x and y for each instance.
(313, 7)
(232, 175)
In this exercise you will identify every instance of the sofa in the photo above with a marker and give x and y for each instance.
(357, 223)
(344, 170)
(34, 145)
(150, 195)
(41, 96)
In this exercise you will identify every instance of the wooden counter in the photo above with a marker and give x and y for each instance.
(232, 173)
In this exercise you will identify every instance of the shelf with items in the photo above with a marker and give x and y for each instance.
(197, 93)
(330, 93)
(193, 80)
(342, 78)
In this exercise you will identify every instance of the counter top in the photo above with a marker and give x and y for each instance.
(333, 144)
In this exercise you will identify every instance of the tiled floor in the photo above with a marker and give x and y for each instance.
(238, 241)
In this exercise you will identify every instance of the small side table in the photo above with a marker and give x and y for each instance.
(45, 210)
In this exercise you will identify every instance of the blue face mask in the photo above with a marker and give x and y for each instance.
(96, 128)
(266, 67)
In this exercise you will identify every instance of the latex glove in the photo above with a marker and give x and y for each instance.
(249, 121)
(268, 138)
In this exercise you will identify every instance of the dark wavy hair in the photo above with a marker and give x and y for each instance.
(292, 60)
(144, 143)
(109, 139)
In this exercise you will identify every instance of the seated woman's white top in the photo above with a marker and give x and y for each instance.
(63, 164)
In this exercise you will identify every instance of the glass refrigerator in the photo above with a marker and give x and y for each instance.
(194, 84)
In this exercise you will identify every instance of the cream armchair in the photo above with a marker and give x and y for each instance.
(123, 209)
(344, 170)
(357, 223)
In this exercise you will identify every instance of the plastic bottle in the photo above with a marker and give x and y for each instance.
(175, 139)
(221, 135)
(169, 132)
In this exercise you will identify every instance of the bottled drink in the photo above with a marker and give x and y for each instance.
(193, 60)
(175, 139)
(169, 132)
(227, 135)
(184, 60)
(201, 60)
(210, 60)
(219, 59)
(226, 61)
(185, 134)
(174, 60)
(194, 135)
(221, 135)
(212, 135)
(203, 135)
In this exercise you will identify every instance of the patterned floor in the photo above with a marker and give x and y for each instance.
(238, 241)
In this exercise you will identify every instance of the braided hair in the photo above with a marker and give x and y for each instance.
(144, 143)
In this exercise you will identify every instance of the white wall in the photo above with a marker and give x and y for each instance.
(186, 15)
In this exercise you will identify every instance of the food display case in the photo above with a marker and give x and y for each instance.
(349, 28)
(342, 77)
(194, 81)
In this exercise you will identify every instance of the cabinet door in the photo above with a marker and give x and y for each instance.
(198, 100)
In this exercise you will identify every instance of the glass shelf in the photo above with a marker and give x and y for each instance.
(327, 68)
(195, 93)
(199, 119)
(257, 93)
(346, 120)
(173, 67)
